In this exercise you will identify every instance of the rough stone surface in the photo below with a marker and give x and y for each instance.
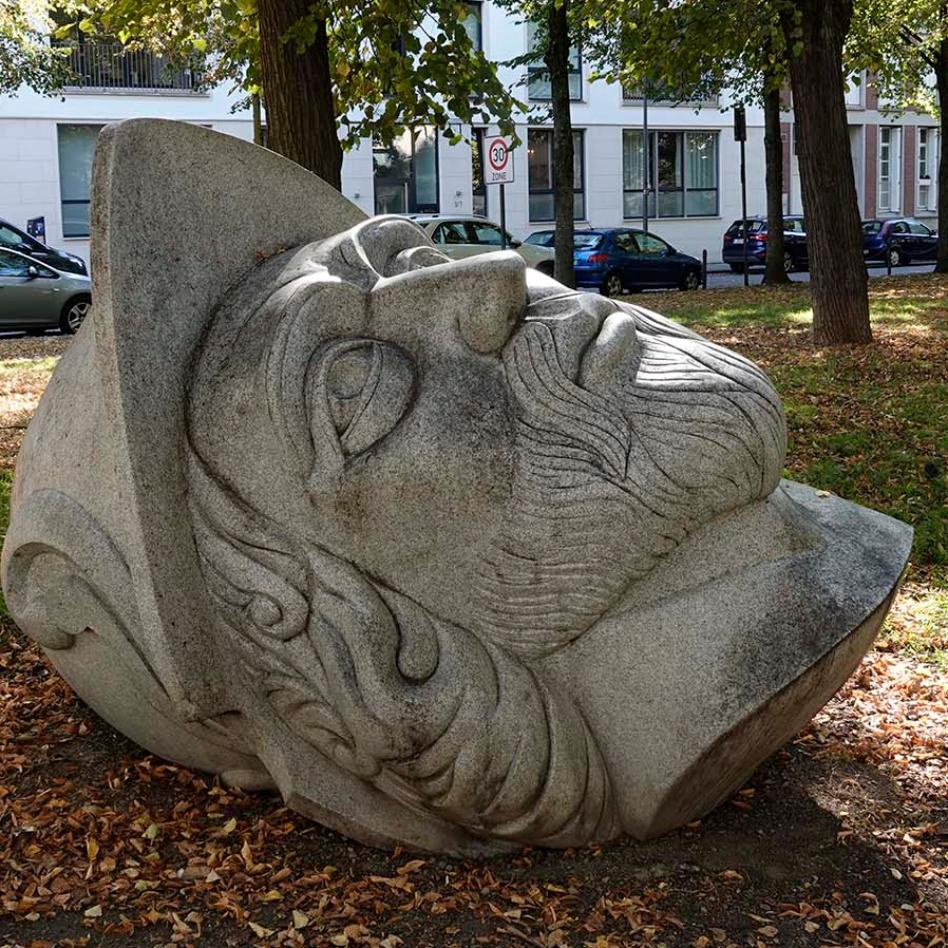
(454, 557)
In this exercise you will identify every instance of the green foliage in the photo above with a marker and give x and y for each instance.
(691, 50)
(395, 64)
(898, 42)
(26, 58)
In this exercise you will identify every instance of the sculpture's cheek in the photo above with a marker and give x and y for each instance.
(412, 510)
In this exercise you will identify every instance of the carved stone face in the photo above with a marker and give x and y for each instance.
(506, 452)
(454, 557)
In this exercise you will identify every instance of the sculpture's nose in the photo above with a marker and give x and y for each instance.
(485, 296)
(497, 303)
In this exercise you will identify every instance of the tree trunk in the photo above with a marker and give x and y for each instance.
(301, 113)
(773, 152)
(257, 121)
(838, 281)
(557, 64)
(941, 81)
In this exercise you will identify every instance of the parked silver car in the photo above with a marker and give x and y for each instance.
(35, 297)
(462, 236)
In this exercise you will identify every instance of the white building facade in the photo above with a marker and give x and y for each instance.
(895, 159)
(46, 146)
(47, 143)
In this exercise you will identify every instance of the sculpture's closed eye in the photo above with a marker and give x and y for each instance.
(365, 386)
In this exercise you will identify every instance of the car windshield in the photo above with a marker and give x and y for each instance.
(543, 238)
(586, 241)
(871, 227)
(754, 227)
(11, 237)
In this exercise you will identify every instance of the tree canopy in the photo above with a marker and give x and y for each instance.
(26, 57)
(393, 64)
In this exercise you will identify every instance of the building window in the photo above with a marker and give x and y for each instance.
(406, 173)
(76, 145)
(683, 174)
(890, 166)
(928, 143)
(477, 172)
(541, 173)
(473, 23)
(538, 79)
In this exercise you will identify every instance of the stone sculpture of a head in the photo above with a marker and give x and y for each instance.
(452, 555)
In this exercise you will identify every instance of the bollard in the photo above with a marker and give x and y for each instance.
(888, 261)
(704, 269)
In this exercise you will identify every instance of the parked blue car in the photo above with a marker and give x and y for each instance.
(898, 241)
(795, 255)
(616, 260)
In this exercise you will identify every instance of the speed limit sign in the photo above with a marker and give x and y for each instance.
(500, 167)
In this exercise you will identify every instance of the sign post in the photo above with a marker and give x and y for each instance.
(500, 170)
(740, 135)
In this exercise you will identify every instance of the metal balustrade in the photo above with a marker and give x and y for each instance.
(113, 67)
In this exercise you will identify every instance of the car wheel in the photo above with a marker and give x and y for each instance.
(736, 267)
(612, 285)
(788, 266)
(691, 280)
(546, 268)
(895, 258)
(74, 312)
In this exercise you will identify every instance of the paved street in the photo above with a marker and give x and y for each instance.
(719, 276)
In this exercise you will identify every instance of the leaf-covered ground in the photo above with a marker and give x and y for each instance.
(840, 839)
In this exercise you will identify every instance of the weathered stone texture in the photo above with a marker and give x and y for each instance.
(454, 557)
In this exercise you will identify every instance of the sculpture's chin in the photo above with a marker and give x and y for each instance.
(763, 622)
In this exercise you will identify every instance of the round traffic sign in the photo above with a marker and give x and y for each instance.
(498, 154)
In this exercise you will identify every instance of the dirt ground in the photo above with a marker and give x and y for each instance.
(840, 839)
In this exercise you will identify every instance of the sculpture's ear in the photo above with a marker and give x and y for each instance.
(179, 214)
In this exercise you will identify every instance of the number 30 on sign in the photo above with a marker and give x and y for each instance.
(500, 166)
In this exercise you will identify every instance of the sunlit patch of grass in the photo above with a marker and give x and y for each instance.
(918, 623)
(917, 302)
(42, 365)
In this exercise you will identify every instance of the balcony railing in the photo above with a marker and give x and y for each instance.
(661, 96)
(110, 67)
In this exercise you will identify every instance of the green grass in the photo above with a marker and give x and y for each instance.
(903, 302)
(11, 368)
(875, 432)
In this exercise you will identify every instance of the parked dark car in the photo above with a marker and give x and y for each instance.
(795, 256)
(12, 238)
(618, 259)
(898, 241)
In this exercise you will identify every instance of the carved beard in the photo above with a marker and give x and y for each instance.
(611, 476)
